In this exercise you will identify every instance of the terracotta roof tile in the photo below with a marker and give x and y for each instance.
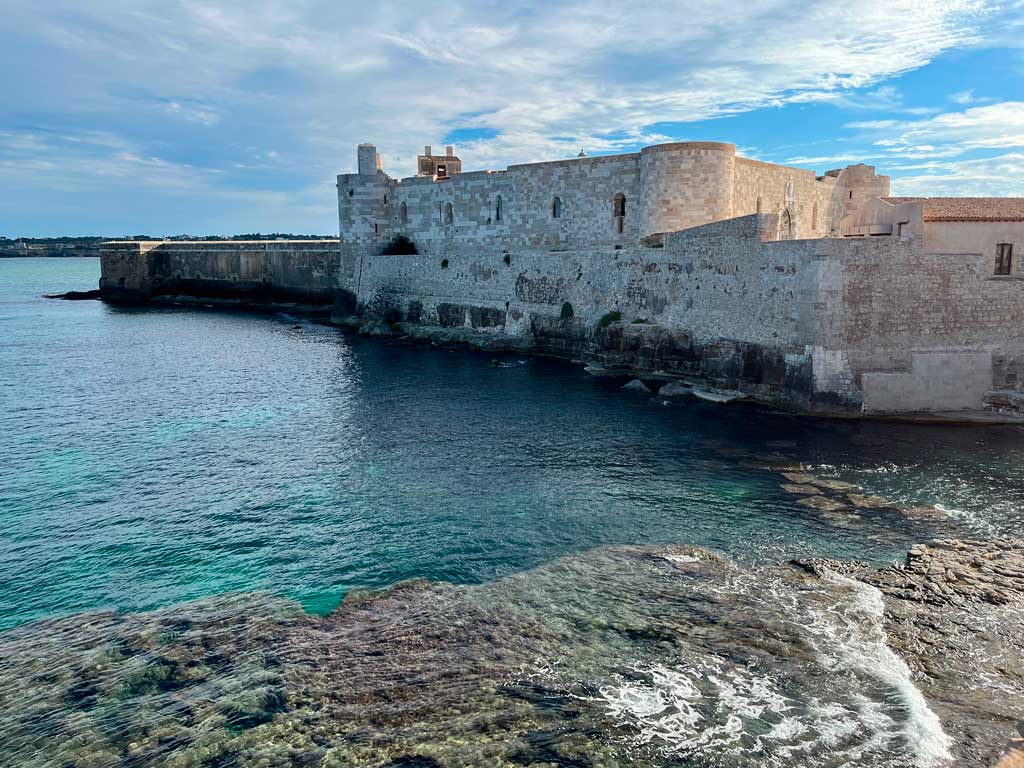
(967, 208)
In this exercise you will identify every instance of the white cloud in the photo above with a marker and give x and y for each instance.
(192, 112)
(313, 78)
(981, 177)
(993, 126)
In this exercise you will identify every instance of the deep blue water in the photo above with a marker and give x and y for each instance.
(150, 456)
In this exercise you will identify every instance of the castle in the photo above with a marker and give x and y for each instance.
(816, 290)
(681, 262)
(616, 200)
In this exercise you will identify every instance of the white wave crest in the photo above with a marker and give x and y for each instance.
(855, 639)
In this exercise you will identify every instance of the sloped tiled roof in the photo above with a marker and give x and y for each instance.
(967, 208)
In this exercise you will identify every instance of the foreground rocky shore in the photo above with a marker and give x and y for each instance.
(622, 656)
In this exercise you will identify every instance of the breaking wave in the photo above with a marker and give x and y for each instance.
(854, 701)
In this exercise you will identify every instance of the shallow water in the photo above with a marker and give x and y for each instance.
(156, 456)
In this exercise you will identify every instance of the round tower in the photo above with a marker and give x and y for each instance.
(684, 185)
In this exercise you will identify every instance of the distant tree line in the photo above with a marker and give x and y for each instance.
(94, 240)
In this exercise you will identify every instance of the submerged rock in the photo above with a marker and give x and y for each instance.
(675, 390)
(637, 386)
(375, 328)
(800, 489)
(621, 656)
(74, 295)
(718, 395)
(822, 503)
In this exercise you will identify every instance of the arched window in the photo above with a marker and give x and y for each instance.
(403, 213)
(449, 213)
(497, 208)
(814, 218)
(619, 211)
(556, 207)
(785, 225)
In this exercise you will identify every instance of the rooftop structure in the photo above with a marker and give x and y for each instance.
(438, 167)
(966, 208)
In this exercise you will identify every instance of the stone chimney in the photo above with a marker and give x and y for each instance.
(449, 151)
(426, 151)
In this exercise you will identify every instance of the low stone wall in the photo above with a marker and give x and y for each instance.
(937, 381)
(49, 250)
(302, 271)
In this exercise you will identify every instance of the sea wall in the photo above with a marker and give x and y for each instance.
(815, 322)
(51, 250)
(304, 271)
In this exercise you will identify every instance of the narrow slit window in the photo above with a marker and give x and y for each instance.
(1004, 258)
(403, 213)
(449, 213)
(619, 212)
(556, 208)
(497, 208)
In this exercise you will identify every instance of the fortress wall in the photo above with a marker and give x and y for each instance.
(824, 320)
(586, 188)
(886, 304)
(713, 283)
(811, 207)
(685, 185)
(298, 270)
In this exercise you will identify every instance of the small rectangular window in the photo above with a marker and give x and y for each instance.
(442, 170)
(1004, 258)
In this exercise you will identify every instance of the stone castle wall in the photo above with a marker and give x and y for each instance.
(847, 323)
(666, 188)
(702, 283)
(297, 270)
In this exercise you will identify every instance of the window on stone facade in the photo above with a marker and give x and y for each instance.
(403, 213)
(619, 211)
(497, 208)
(1004, 258)
(449, 213)
(786, 225)
(759, 205)
(814, 217)
(556, 207)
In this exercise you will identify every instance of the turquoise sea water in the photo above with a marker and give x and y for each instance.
(199, 472)
(152, 456)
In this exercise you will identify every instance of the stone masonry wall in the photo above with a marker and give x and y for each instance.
(666, 187)
(300, 270)
(713, 282)
(830, 312)
(586, 188)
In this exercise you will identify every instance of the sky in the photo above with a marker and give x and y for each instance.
(166, 117)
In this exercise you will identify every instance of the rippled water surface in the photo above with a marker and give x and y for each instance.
(156, 456)
(152, 456)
